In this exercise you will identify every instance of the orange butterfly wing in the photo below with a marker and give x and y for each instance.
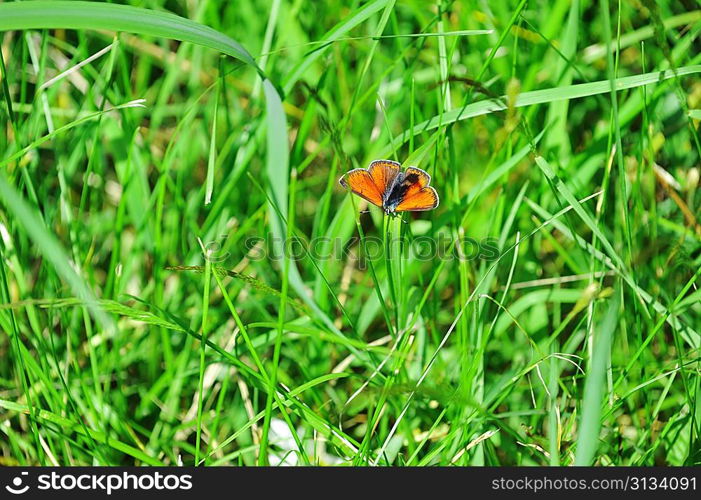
(424, 199)
(361, 183)
(383, 173)
(423, 178)
(419, 196)
(374, 183)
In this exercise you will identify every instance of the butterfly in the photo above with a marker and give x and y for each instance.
(389, 187)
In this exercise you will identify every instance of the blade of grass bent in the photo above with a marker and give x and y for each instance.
(105, 16)
(538, 97)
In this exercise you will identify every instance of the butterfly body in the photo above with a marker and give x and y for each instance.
(386, 185)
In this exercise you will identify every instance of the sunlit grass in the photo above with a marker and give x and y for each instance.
(184, 281)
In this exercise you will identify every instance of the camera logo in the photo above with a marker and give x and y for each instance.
(17, 483)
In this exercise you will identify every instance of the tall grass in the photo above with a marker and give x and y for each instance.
(183, 280)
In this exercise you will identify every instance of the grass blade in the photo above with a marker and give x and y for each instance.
(539, 97)
(588, 440)
(80, 15)
(51, 249)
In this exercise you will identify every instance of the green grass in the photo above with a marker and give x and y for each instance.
(182, 279)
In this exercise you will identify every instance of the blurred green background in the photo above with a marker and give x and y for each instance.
(151, 171)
